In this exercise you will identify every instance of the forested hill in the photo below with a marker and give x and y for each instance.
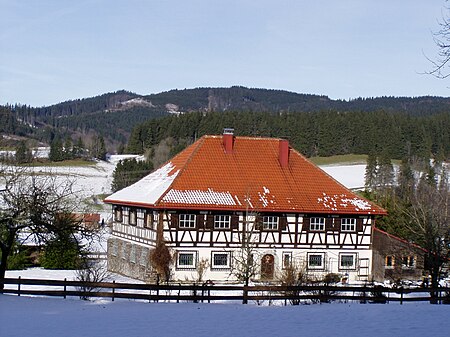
(114, 115)
(323, 133)
(239, 99)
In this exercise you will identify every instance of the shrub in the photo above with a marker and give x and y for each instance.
(62, 253)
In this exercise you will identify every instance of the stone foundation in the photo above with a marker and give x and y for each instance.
(129, 259)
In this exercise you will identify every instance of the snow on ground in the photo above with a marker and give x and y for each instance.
(27, 316)
(55, 317)
(351, 176)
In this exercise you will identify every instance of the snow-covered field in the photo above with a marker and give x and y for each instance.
(27, 316)
(38, 316)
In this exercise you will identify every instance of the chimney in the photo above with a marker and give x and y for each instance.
(283, 154)
(228, 139)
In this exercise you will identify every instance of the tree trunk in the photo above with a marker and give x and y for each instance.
(3, 265)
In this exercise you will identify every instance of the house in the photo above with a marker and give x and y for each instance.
(395, 258)
(224, 194)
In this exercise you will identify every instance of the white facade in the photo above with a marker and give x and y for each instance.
(206, 245)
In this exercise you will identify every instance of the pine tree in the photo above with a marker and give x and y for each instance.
(23, 153)
(56, 150)
(371, 172)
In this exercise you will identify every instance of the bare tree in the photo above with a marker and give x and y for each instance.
(245, 264)
(32, 206)
(90, 273)
(428, 221)
(442, 40)
(162, 257)
(293, 275)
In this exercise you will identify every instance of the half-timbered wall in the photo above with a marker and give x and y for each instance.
(292, 231)
(320, 243)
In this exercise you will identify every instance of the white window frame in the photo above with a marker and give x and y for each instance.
(348, 224)
(220, 266)
(193, 265)
(316, 267)
(187, 220)
(317, 224)
(353, 266)
(222, 221)
(270, 222)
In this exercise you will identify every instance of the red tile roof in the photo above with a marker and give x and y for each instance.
(204, 176)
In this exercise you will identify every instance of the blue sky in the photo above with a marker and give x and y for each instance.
(56, 50)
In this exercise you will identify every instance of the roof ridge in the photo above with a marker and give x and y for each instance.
(247, 137)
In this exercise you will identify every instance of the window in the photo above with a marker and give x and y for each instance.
(287, 260)
(220, 260)
(222, 221)
(347, 261)
(186, 260)
(389, 262)
(317, 224)
(348, 225)
(408, 262)
(118, 214)
(316, 261)
(187, 221)
(132, 217)
(148, 220)
(270, 222)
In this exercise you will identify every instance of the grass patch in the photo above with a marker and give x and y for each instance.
(340, 159)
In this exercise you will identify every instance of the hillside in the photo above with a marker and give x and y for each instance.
(114, 115)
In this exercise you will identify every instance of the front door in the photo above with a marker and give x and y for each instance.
(267, 267)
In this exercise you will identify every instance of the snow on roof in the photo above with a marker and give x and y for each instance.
(333, 201)
(149, 189)
(208, 197)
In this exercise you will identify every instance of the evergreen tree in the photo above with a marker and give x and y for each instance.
(23, 153)
(405, 180)
(128, 171)
(78, 149)
(56, 150)
(385, 176)
(68, 150)
(98, 149)
(370, 176)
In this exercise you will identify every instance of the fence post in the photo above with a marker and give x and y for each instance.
(113, 290)
(65, 287)
(18, 286)
(401, 295)
(244, 295)
(195, 293)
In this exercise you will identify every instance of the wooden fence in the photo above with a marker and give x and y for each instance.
(208, 292)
